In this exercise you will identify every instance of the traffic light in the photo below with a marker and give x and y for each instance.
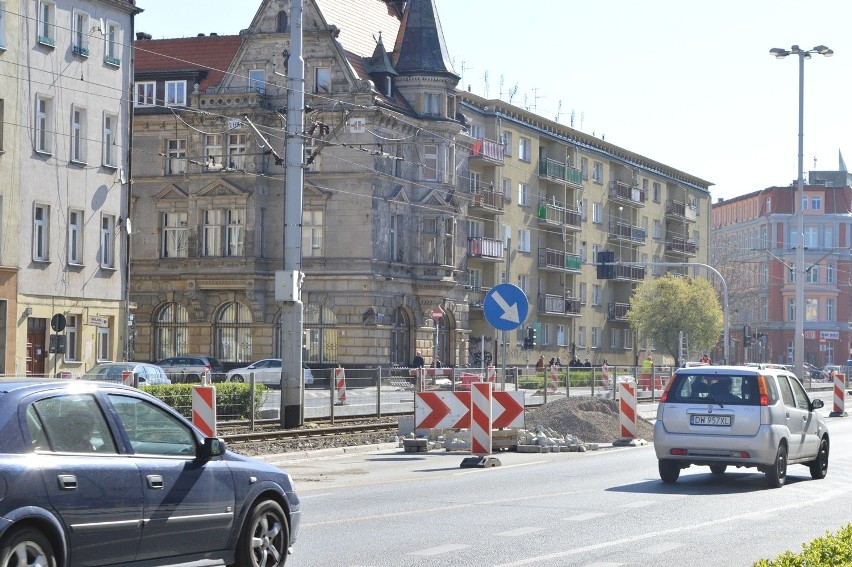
(747, 341)
(530, 338)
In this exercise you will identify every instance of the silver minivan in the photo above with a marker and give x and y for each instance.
(721, 416)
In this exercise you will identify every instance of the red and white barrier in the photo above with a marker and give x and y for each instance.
(339, 386)
(452, 410)
(480, 417)
(204, 409)
(554, 379)
(627, 408)
(839, 395)
(605, 377)
(491, 374)
(127, 378)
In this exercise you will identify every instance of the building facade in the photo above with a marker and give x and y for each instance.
(755, 238)
(65, 134)
(417, 196)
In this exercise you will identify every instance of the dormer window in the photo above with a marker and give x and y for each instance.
(175, 93)
(257, 80)
(432, 104)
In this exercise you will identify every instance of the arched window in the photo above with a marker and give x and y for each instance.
(444, 346)
(400, 345)
(232, 332)
(320, 325)
(283, 24)
(171, 331)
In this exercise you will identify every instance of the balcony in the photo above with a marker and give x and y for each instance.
(618, 311)
(621, 273)
(238, 98)
(680, 211)
(625, 193)
(488, 200)
(485, 248)
(558, 305)
(625, 232)
(488, 151)
(558, 214)
(681, 246)
(560, 172)
(550, 259)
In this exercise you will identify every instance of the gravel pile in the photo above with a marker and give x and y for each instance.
(591, 420)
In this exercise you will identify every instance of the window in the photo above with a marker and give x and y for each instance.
(283, 26)
(320, 326)
(104, 350)
(524, 149)
(174, 230)
(524, 284)
(110, 124)
(811, 309)
(171, 331)
(133, 410)
(257, 80)
(75, 237)
(584, 209)
(322, 80)
(44, 119)
(46, 11)
(523, 195)
(596, 294)
(428, 241)
(830, 310)
(615, 338)
(80, 34)
(583, 293)
(145, 93)
(830, 274)
(41, 225)
(2, 25)
(584, 167)
(507, 189)
(507, 143)
(430, 162)
(581, 337)
(816, 203)
(212, 233)
(597, 172)
(805, 203)
(812, 275)
(828, 241)
(791, 309)
(400, 335)
(657, 192)
(432, 104)
(395, 236)
(232, 331)
(524, 244)
(597, 213)
(175, 157)
(312, 225)
(78, 134)
(596, 337)
(658, 229)
(72, 337)
(474, 278)
(235, 232)
(107, 241)
(237, 151)
(112, 49)
(811, 237)
(560, 335)
(175, 93)
(213, 150)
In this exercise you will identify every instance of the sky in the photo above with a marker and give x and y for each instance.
(688, 83)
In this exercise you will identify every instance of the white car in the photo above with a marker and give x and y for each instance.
(266, 372)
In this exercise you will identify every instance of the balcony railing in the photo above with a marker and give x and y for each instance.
(677, 245)
(626, 193)
(559, 214)
(487, 150)
(618, 311)
(557, 305)
(486, 248)
(681, 211)
(559, 171)
(559, 260)
(488, 199)
(621, 272)
(626, 232)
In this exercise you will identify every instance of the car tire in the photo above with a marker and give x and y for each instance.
(718, 469)
(776, 473)
(29, 544)
(669, 470)
(265, 537)
(819, 466)
(237, 378)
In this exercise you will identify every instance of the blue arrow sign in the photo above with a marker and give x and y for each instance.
(505, 307)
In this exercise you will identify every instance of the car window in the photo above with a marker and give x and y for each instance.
(802, 401)
(786, 392)
(69, 423)
(151, 430)
(715, 388)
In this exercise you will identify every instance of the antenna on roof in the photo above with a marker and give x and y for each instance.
(512, 92)
(486, 83)
(501, 86)
(558, 110)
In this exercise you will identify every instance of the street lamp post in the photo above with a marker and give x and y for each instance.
(799, 332)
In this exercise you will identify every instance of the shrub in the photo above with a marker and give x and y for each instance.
(233, 399)
(827, 551)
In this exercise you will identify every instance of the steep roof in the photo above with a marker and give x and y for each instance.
(212, 53)
(420, 47)
(360, 23)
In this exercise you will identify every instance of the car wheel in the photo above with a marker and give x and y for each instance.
(819, 466)
(265, 538)
(237, 378)
(669, 470)
(776, 474)
(27, 547)
(718, 469)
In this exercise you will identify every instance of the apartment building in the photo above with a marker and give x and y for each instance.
(755, 237)
(548, 205)
(63, 207)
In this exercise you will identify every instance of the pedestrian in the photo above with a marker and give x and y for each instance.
(705, 359)
(418, 361)
(558, 362)
(539, 366)
(437, 363)
(552, 362)
(587, 364)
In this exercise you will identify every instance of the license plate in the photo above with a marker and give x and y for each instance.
(721, 420)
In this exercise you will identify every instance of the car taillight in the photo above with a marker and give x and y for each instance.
(665, 394)
(679, 452)
(762, 391)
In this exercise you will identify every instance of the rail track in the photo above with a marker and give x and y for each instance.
(313, 430)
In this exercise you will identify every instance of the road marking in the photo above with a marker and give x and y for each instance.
(440, 550)
(584, 517)
(520, 532)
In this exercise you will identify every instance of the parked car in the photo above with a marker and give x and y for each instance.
(266, 372)
(740, 416)
(190, 368)
(111, 459)
(146, 374)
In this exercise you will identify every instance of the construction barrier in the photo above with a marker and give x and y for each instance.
(605, 377)
(127, 378)
(339, 386)
(204, 409)
(627, 408)
(480, 417)
(554, 379)
(452, 410)
(839, 395)
(491, 375)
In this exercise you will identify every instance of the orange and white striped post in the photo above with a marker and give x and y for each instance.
(204, 409)
(554, 379)
(627, 408)
(481, 418)
(839, 395)
(605, 376)
(491, 375)
(339, 386)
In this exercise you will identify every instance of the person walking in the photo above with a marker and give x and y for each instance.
(539, 366)
(418, 361)
(647, 373)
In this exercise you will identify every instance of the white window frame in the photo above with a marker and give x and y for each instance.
(176, 156)
(175, 229)
(213, 144)
(312, 233)
(432, 104)
(3, 19)
(46, 23)
(78, 134)
(175, 93)
(145, 94)
(103, 344)
(109, 137)
(430, 162)
(107, 260)
(657, 190)
(41, 232)
(212, 229)
(112, 44)
(524, 195)
(597, 213)
(75, 237)
(524, 240)
(816, 203)
(830, 274)
(596, 337)
(322, 80)
(524, 149)
(581, 337)
(236, 151)
(72, 340)
(80, 33)
(235, 230)
(657, 232)
(596, 294)
(597, 172)
(257, 80)
(812, 275)
(44, 120)
(507, 144)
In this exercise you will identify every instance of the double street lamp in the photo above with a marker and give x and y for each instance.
(799, 333)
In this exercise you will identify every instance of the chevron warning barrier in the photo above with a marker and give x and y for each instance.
(480, 416)
(339, 386)
(452, 410)
(204, 409)
(627, 408)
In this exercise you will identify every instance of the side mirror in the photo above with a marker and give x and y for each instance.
(212, 447)
(817, 403)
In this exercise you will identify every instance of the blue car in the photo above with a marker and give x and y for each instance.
(96, 473)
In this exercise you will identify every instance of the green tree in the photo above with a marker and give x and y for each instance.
(662, 308)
